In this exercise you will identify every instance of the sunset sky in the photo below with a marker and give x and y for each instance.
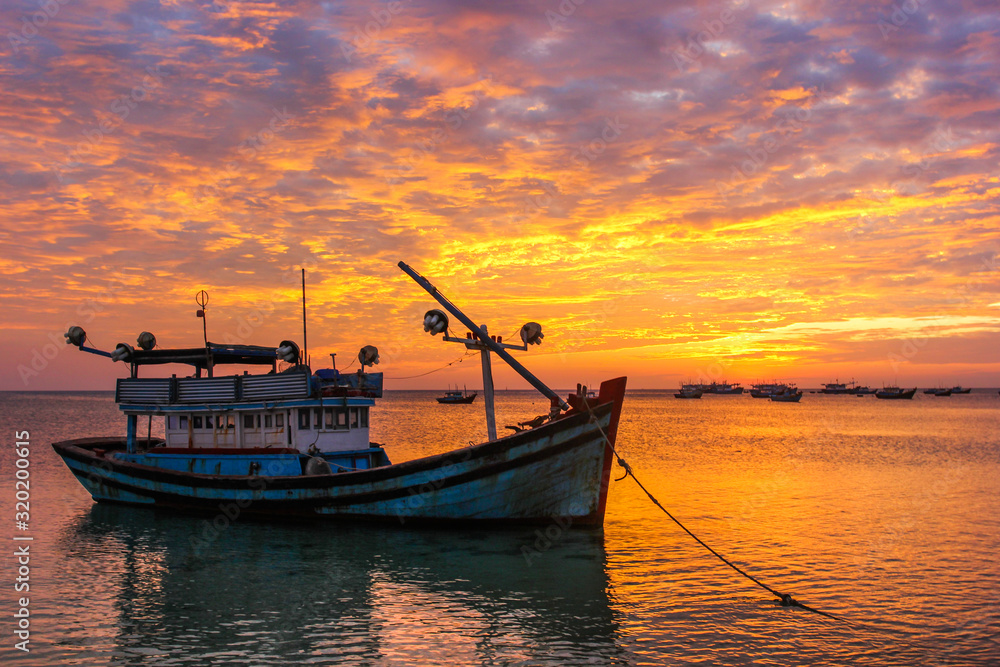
(675, 190)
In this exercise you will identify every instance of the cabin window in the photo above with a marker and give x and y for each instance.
(183, 422)
(248, 421)
(334, 419)
(318, 418)
(303, 419)
(279, 420)
(170, 423)
(208, 421)
(196, 422)
(363, 417)
(354, 417)
(267, 421)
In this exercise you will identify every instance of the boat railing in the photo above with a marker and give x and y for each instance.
(230, 389)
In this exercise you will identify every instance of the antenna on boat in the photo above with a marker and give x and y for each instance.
(305, 341)
(201, 298)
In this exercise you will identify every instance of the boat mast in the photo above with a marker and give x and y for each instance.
(305, 341)
(491, 417)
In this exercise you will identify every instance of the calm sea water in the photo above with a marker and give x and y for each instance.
(885, 513)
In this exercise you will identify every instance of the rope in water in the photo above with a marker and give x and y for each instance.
(786, 599)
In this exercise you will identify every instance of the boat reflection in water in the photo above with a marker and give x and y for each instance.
(289, 594)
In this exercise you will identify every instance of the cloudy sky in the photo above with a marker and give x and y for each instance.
(743, 189)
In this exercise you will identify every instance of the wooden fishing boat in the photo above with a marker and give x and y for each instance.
(689, 391)
(895, 393)
(722, 388)
(767, 389)
(839, 388)
(295, 443)
(789, 394)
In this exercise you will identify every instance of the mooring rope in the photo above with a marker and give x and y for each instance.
(786, 599)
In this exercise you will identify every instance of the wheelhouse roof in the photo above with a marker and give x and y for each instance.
(198, 356)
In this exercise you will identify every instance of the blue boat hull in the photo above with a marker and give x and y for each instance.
(558, 471)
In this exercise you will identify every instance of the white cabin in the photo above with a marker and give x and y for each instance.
(307, 428)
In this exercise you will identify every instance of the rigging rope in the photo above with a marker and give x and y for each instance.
(456, 361)
(786, 599)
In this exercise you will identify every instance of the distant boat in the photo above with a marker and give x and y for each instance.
(839, 388)
(456, 397)
(689, 391)
(943, 392)
(931, 391)
(850, 388)
(789, 395)
(766, 389)
(961, 390)
(895, 392)
(722, 388)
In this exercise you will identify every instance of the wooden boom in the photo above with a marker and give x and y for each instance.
(481, 334)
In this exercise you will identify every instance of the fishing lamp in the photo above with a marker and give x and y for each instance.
(123, 352)
(146, 340)
(76, 336)
(368, 355)
(531, 333)
(288, 351)
(435, 322)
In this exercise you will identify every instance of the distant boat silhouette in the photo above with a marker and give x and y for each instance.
(456, 397)
(895, 392)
